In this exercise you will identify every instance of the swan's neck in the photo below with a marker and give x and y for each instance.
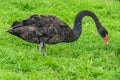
(77, 29)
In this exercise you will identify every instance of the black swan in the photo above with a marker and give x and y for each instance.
(49, 29)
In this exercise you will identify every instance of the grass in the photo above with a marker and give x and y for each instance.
(88, 58)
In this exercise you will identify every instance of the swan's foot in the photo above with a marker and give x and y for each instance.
(42, 48)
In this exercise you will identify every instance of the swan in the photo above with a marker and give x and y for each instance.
(48, 29)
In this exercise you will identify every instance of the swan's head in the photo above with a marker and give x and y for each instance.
(104, 34)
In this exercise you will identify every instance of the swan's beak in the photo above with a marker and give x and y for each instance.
(106, 39)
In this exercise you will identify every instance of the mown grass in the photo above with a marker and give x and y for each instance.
(85, 59)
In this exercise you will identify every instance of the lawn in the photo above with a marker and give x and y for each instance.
(88, 58)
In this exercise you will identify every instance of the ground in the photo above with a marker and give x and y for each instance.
(88, 58)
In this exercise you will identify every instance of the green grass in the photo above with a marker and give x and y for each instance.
(88, 58)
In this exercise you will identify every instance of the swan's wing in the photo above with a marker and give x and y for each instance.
(45, 28)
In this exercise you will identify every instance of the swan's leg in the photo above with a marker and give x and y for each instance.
(42, 48)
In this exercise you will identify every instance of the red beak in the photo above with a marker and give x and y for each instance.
(106, 39)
